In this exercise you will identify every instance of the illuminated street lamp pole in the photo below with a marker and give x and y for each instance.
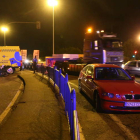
(4, 29)
(53, 3)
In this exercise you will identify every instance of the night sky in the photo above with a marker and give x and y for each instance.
(72, 17)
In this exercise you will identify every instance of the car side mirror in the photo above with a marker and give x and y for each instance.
(89, 77)
(133, 77)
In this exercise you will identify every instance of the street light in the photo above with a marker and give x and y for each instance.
(53, 3)
(89, 30)
(4, 29)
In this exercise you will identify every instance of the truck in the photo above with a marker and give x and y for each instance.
(104, 48)
(10, 57)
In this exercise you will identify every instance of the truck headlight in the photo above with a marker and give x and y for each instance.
(110, 95)
(122, 65)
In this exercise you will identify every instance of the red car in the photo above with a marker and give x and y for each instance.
(110, 87)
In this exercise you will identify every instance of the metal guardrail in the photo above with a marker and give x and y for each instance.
(67, 93)
(69, 96)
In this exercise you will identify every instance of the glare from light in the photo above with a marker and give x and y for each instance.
(133, 56)
(89, 30)
(122, 65)
(26, 61)
(139, 37)
(64, 57)
(104, 56)
(4, 29)
(102, 31)
(96, 48)
(39, 60)
(98, 32)
(52, 2)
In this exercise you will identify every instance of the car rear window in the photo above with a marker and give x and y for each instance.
(132, 64)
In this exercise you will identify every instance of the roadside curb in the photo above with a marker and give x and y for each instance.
(6, 113)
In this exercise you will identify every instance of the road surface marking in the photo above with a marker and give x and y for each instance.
(119, 123)
(73, 84)
(123, 127)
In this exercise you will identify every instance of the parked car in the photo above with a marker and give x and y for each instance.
(110, 87)
(133, 67)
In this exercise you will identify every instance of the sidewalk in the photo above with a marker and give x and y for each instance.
(8, 88)
(38, 115)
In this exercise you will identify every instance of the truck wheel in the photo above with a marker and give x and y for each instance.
(97, 104)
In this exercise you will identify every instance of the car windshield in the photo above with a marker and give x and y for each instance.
(109, 73)
(113, 44)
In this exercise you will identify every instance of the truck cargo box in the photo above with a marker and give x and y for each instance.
(10, 56)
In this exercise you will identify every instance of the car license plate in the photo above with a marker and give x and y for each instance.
(132, 104)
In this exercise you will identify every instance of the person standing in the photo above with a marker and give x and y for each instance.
(34, 64)
(20, 65)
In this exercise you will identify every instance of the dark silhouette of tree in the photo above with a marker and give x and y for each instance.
(68, 50)
(129, 47)
(30, 56)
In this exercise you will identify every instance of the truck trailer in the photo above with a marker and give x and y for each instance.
(104, 48)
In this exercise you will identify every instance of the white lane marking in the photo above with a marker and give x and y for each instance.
(123, 127)
(73, 84)
(80, 131)
(119, 123)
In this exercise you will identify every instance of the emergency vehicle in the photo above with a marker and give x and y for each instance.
(10, 56)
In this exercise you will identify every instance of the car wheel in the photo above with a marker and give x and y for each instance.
(79, 86)
(97, 104)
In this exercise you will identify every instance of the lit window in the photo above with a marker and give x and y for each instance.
(96, 48)
(95, 43)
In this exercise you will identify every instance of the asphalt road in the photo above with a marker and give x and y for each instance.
(38, 115)
(105, 126)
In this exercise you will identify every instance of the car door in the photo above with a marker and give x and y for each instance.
(138, 73)
(132, 67)
(89, 81)
(83, 79)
